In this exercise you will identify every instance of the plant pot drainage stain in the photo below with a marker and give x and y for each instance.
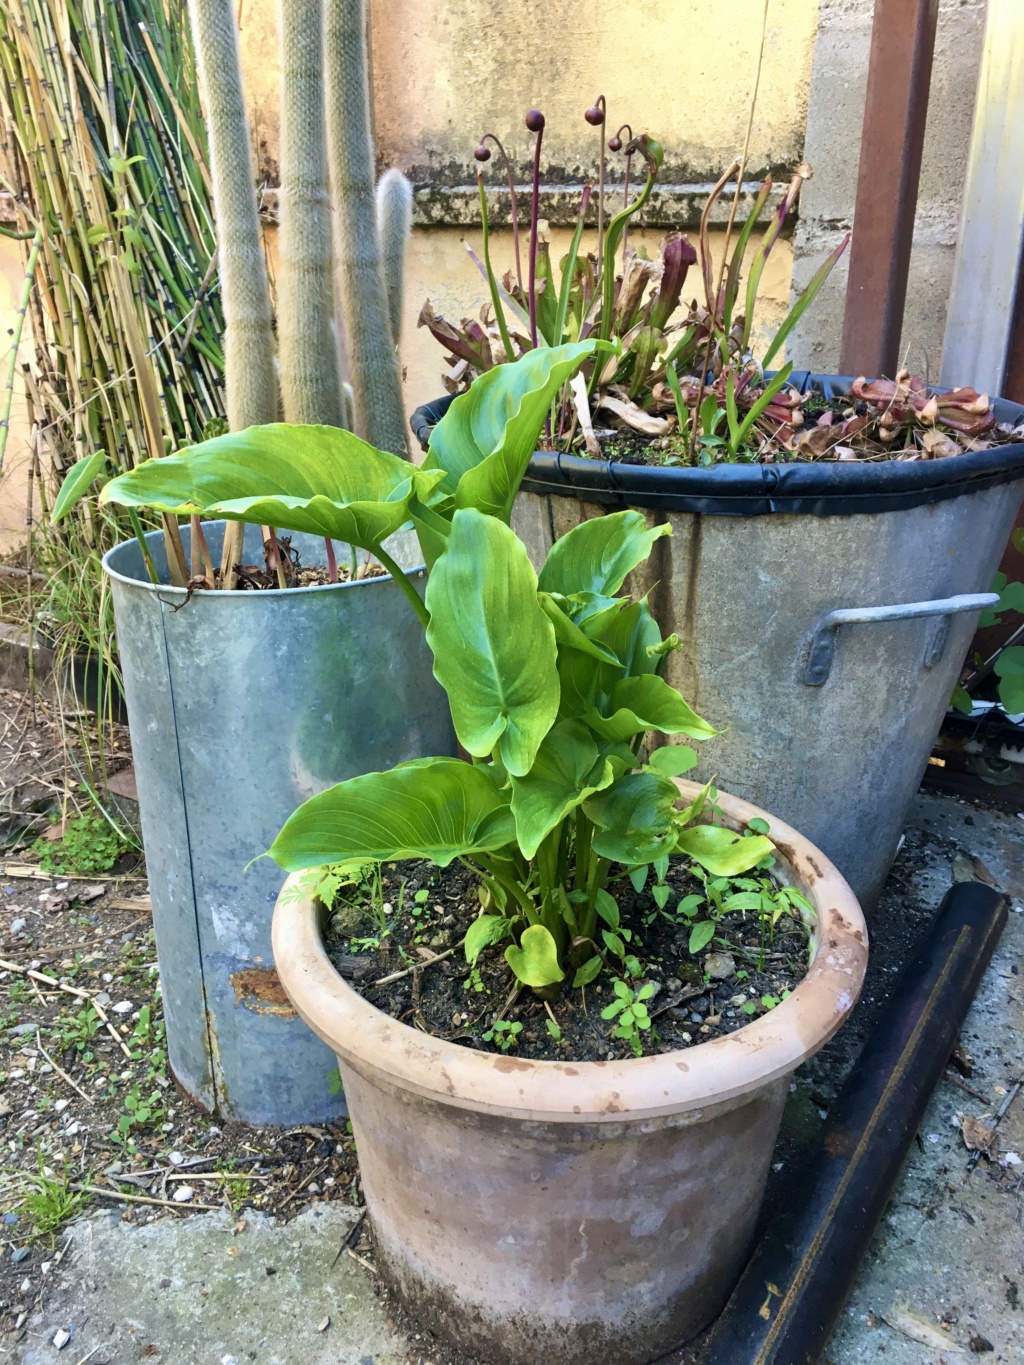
(410, 924)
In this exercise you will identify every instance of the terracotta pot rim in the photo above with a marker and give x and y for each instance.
(655, 1086)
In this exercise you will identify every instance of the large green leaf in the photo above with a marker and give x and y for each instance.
(535, 961)
(565, 772)
(634, 817)
(321, 480)
(494, 648)
(597, 555)
(648, 703)
(722, 851)
(77, 482)
(436, 808)
(484, 441)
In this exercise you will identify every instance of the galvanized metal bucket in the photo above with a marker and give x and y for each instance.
(824, 610)
(241, 705)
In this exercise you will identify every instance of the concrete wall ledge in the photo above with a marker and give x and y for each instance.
(670, 206)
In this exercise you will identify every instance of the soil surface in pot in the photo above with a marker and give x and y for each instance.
(418, 913)
(883, 421)
(264, 577)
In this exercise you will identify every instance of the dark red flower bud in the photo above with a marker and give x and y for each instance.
(615, 143)
(594, 116)
(482, 153)
(535, 120)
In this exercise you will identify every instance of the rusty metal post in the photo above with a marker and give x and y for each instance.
(896, 109)
(1013, 376)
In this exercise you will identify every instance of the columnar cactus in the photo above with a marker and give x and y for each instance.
(394, 218)
(310, 375)
(373, 359)
(327, 165)
(250, 374)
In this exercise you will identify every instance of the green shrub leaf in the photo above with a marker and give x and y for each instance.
(672, 760)
(320, 480)
(485, 440)
(77, 482)
(597, 555)
(483, 932)
(494, 648)
(1009, 669)
(701, 935)
(634, 818)
(436, 808)
(565, 772)
(585, 974)
(647, 703)
(722, 851)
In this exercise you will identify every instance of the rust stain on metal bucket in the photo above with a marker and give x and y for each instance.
(259, 989)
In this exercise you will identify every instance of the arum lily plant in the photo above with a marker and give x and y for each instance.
(554, 680)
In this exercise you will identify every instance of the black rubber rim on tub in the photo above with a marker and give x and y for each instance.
(818, 489)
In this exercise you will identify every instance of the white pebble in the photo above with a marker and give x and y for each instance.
(183, 1194)
(122, 1007)
(61, 1338)
(60, 1106)
(176, 1159)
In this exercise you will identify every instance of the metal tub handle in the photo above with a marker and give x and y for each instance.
(822, 652)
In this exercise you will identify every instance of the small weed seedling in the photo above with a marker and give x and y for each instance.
(504, 1034)
(89, 846)
(474, 982)
(50, 1200)
(77, 1030)
(139, 1112)
(631, 1011)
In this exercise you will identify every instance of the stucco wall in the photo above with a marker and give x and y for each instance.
(446, 71)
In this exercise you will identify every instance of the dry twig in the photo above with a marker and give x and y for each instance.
(61, 1073)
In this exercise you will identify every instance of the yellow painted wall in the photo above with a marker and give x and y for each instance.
(446, 71)
(14, 479)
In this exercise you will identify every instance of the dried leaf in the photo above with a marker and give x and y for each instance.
(977, 1136)
(902, 1318)
(937, 445)
(636, 417)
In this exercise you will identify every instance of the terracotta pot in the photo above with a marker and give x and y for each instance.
(549, 1211)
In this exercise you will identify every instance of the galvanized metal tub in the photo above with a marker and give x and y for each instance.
(242, 705)
(831, 720)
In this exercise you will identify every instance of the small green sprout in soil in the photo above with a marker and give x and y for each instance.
(629, 1010)
(503, 1034)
